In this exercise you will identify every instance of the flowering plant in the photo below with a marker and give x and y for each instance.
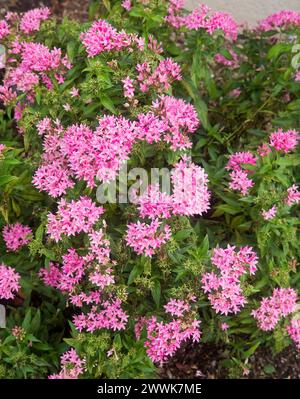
(98, 287)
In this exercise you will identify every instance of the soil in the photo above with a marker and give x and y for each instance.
(205, 362)
(74, 9)
(191, 361)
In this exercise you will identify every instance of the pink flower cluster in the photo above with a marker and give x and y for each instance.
(9, 282)
(126, 4)
(293, 330)
(270, 214)
(190, 197)
(238, 159)
(100, 153)
(163, 339)
(221, 59)
(293, 195)
(66, 277)
(104, 37)
(225, 291)
(37, 61)
(32, 19)
(239, 176)
(297, 77)
(4, 29)
(71, 366)
(128, 87)
(71, 277)
(2, 148)
(16, 236)
(73, 217)
(280, 19)
(273, 308)
(111, 316)
(190, 191)
(161, 78)
(180, 118)
(145, 238)
(284, 141)
(202, 18)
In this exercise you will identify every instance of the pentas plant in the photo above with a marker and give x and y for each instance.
(127, 280)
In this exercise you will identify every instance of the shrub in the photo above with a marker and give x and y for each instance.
(113, 288)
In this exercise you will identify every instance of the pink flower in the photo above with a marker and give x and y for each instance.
(67, 107)
(297, 77)
(235, 92)
(73, 217)
(284, 141)
(272, 309)
(2, 148)
(293, 330)
(53, 178)
(270, 214)
(293, 195)
(9, 282)
(238, 159)
(163, 339)
(161, 78)
(111, 316)
(177, 307)
(74, 92)
(240, 182)
(4, 29)
(32, 19)
(128, 87)
(224, 289)
(190, 191)
(103, 37)
(145, 238)
(155, 204)
(180, 118)
(16, 235)
(263, 150)
(221, 59)
(126, 4)
(72, 366)
(279, 19)
(224, 326)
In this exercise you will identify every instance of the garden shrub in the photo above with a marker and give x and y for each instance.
(111, 289)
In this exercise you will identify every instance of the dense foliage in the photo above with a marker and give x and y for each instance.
(112, 290)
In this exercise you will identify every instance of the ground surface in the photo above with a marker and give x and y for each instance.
(200, 361)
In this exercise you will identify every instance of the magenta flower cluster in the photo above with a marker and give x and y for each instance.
(16, 236)
(164, 338)
(72, 366)
(202, 18)
(224, 287)
(283, 18)
(9, 282)
(273, 308)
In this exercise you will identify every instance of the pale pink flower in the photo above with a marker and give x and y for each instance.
(293, 195)
(240, 182)
(270, 214)
(74, 92)
(126, 4)
(9, 282)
